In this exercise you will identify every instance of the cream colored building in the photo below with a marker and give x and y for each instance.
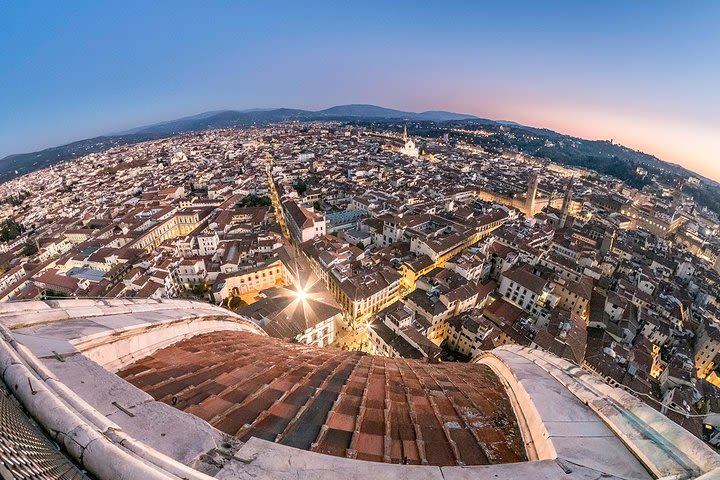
(707, 347)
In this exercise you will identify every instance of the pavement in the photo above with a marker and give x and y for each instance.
(350, 339)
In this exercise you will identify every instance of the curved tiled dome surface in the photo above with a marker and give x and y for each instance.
(339, 403)
(59, 359)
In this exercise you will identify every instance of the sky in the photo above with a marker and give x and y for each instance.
(645, 74)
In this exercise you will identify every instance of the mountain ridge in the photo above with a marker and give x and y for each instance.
(23, 163)
(27, 162)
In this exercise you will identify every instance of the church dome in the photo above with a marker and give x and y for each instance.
(178, 389)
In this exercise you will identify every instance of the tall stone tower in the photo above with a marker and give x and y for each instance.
(531, 193)
(677, 198)
(608, 241)
(566, 204)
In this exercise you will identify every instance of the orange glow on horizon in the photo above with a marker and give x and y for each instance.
(674, 138)
(694, 147)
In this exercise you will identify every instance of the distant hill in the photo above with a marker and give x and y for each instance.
(364, 111)
(600, 147)
(373, 111)
(600, 155)
(19, 164)
(238, 118)
(29, 162)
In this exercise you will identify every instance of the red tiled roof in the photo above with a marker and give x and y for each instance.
(334, 402)
(523, 276)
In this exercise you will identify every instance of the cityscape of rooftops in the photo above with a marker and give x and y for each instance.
(403, 240)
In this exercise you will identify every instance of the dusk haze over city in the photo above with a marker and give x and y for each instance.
(315, 240)
(642, 73)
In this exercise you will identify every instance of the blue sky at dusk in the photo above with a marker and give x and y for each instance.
(646, 74)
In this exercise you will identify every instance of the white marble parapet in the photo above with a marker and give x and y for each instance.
(57, 359)
(665, 449)
(47, 358)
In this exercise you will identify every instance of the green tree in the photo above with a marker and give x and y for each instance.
(253, 200)
(29, 248)
(236, 303)
(49, 294)
(10, 230)
(300, 186)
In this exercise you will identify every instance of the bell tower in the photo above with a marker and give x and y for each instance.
(531, 193)
(566, 204)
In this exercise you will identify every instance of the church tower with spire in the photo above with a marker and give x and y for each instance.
(409, 148)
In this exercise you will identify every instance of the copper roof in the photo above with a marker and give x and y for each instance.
(335, 402)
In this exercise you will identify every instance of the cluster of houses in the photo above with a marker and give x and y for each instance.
(424, 248)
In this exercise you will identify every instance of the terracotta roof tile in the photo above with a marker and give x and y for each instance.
(334, 402)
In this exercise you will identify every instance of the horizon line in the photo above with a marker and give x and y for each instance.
(247, 110)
